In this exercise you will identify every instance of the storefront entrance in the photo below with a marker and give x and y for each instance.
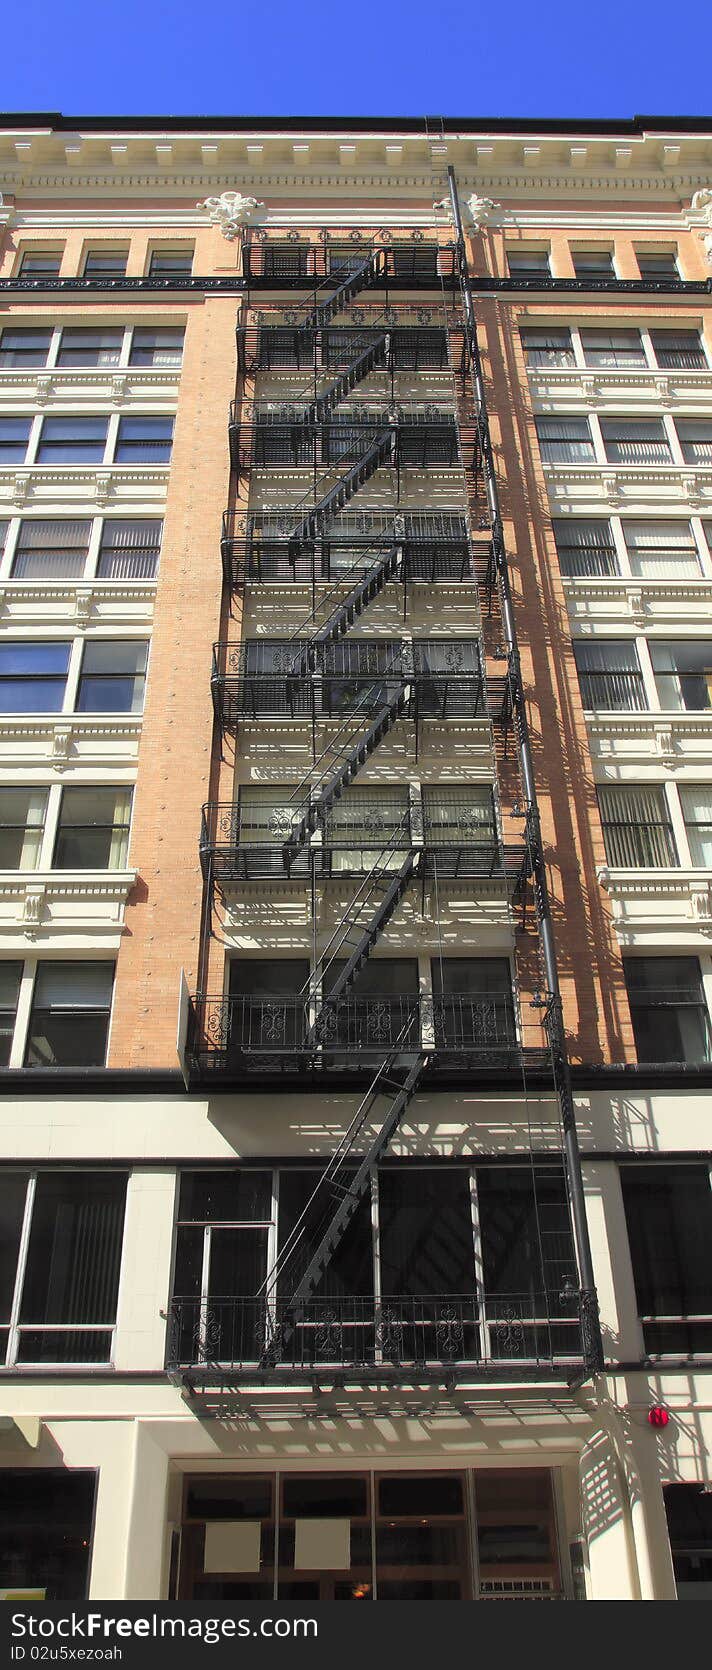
(369, 1536)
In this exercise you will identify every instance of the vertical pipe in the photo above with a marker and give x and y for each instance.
(555, 1025)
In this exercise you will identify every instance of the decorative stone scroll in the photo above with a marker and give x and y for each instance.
(230, 212)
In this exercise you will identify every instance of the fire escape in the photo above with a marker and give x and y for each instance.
(348, 559)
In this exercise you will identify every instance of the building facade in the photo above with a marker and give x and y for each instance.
(355, 859)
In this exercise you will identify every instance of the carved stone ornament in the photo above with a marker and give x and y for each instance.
(482, 210)
(230, 211)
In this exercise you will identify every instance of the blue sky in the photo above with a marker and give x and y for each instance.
(391, 57)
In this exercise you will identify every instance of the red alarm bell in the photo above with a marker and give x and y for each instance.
(658, 1416)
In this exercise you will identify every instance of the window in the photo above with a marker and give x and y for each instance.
(528, 263)
(113, 676)
(679, 350)
(106, 263)
(548, 347)
(657, 263)
(683, 674)
(144, 440)
(449, 674)
(4, 525)
(668, 1010)
(668, 1213)
(24, 348)
(46, 1520)
(425, 1224)
(362, 823)
(613, 350)
(565, 440)
(171, 263)
(157, 347)
(93, 829)
(416, 261)
(697, 812)
(22, 816)
(51, 549)
(636, 827)
(266, 1002)
(695, 437)
(379, 1009)
(689, 1516)
(661, 550)
(610, 677)
(585, 549)
(72, 440)
(593, 263)
(33, 676)
(10, 977)
(343, 262)
(14, 436)
(635, 441)
(80, 346)
(527, 1257)
(69, 1021)
(473, 1004)
(61, 1276)
(40, 263)
(129, 550)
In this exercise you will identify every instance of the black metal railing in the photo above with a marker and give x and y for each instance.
(281, 436)
(245, 1034)
(434, 547)
(529, 1332)
(239, 697)
(289, 263)
(300, 347)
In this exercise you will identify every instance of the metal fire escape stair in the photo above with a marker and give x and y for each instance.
(362, 924)
(381, 450)
(368, 273)
(375, 355)
(338, 1193)
(339, 619)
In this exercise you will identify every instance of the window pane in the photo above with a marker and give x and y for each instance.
(129, 550)
(548, 347)
(74, 1252)
(680, 350)
(668, 1009)
(226, 1196)
(105, 263)
(112, 677)
(661, 264)
(683, 674)
(426, 1236)
(695, 436)
(13, 1193)
(72, 440)
(144, 440)
(156, 347)
(661, 550)
(635, 441)
(93, 831)
(24, 347)
(613, 349)
(32, 677)
(669, 1217)
(80, 346)
(171, 263)
(14, 435)
(70, 1015)
(697, 812)
(564, 440)
(598, 262)
(523, 261)
(51, 549)
(10, 977)
(636, 827)
(41, 263)
(527, 1247)
(22, 814)
(585, 549)
(349, 1272)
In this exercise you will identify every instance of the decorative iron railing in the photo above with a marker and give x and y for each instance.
(515, 1332)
